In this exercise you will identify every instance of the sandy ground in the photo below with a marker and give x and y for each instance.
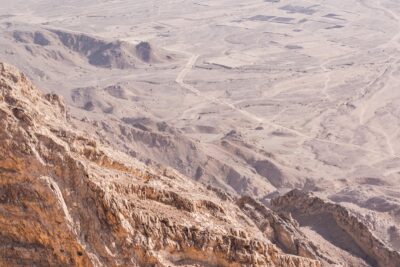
(260, 96)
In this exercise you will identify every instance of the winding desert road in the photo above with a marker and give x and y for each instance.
(180, 79)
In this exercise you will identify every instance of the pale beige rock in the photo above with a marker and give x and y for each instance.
(341, 222)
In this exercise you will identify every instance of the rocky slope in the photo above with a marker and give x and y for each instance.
(103, 90)
(62, 45)
(68, 200)
(342, 228)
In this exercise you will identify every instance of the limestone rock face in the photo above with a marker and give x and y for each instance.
(334, 221)
(68, 200)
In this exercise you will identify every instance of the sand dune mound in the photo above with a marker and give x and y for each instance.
(87, 99)
(121, 92)
(144, 52)
(105, 99)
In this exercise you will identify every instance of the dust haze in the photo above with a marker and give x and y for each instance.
(254, 97)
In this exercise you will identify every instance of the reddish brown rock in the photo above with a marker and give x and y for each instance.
(68, 200)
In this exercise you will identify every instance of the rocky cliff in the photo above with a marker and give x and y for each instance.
(68, 200)
(338, 225)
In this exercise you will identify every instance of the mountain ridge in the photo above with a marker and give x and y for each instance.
(68, 200)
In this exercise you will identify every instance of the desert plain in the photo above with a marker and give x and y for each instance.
(253, 97)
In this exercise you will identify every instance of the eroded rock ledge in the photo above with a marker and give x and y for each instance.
(303, 206)
(67, 200)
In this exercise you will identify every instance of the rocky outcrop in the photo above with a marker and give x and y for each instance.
(303, 206)
(281, 229)
(68, 200)
(101, 53)
(98, 52)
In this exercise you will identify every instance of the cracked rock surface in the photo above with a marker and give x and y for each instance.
(68, 200)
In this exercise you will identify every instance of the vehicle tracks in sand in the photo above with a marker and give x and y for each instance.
(180, 79)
